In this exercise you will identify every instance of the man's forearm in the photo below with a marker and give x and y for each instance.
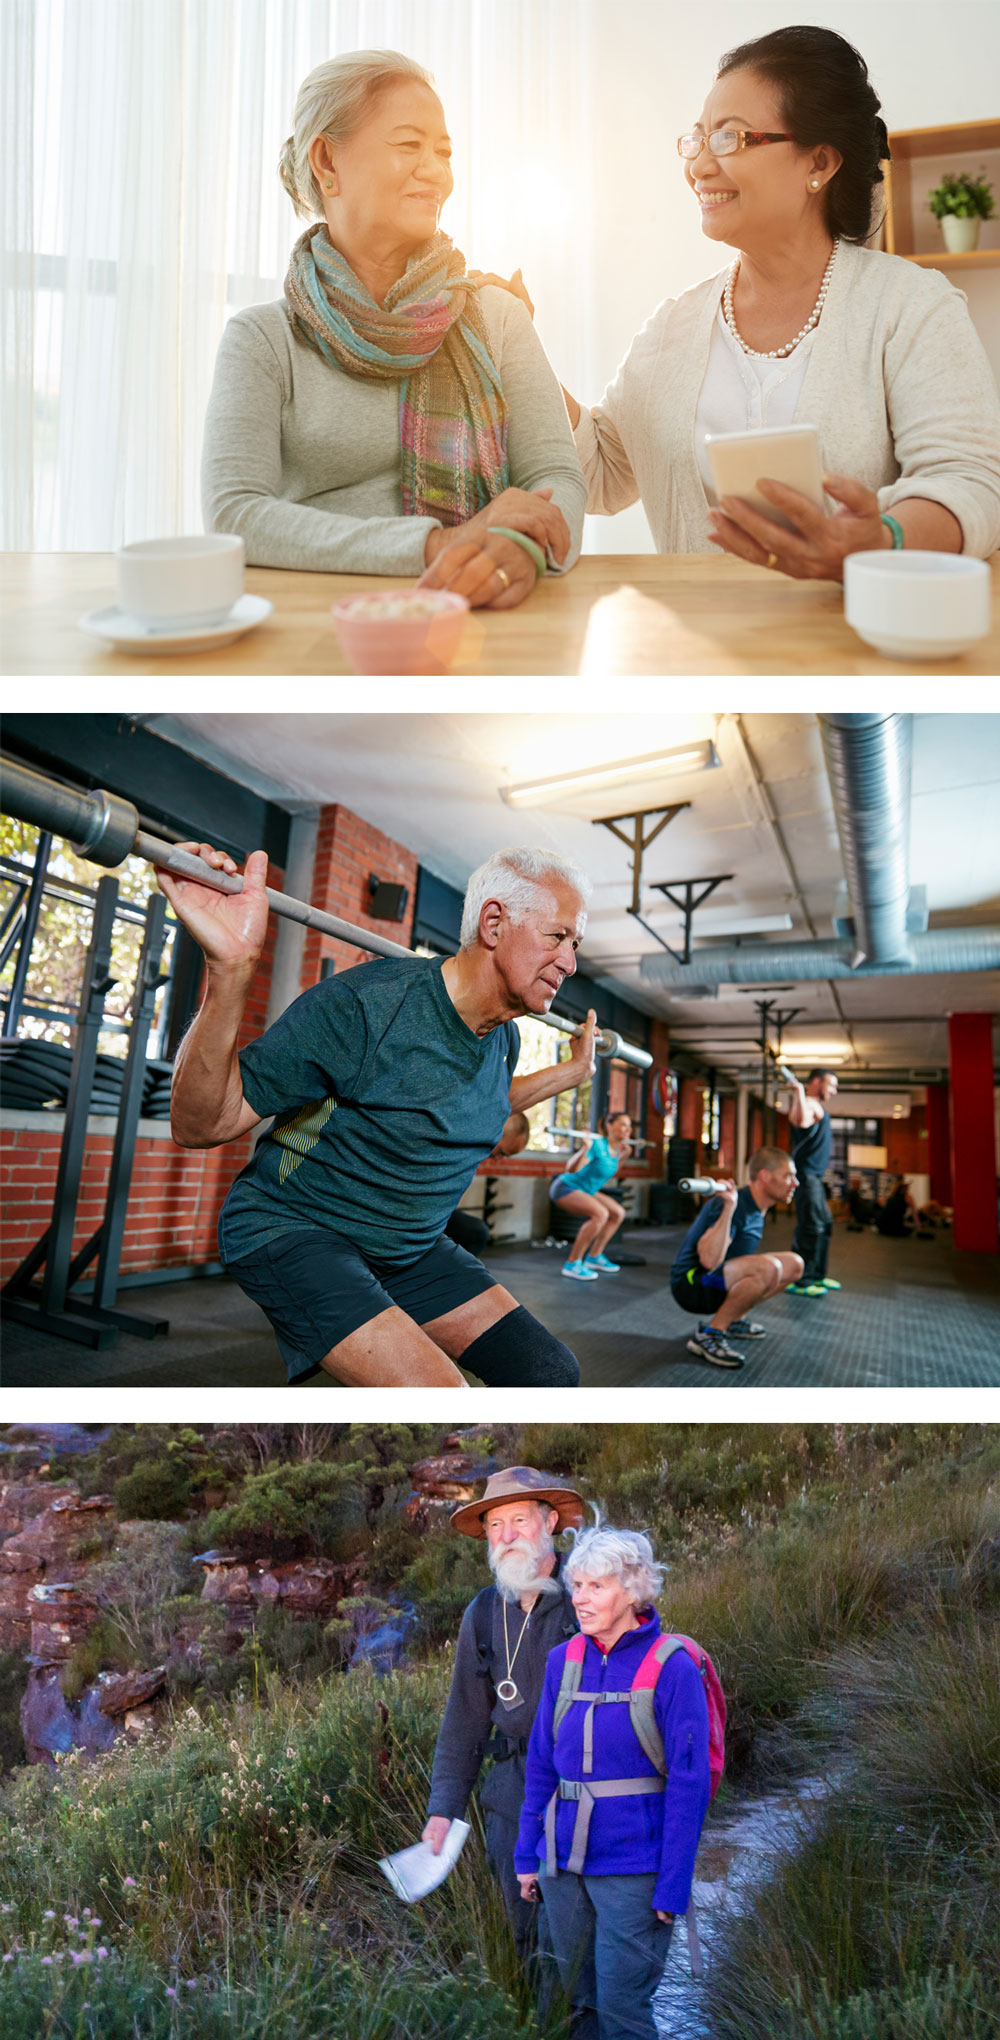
(207, 1106)
(538, 1084)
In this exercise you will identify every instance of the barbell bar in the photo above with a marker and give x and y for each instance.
(575, 1133)
(104, 828)
(699, 1186)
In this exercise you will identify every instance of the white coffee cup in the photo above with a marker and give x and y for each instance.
(183, 583)
(917, 605)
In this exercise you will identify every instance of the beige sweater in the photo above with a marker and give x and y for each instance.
(302, 460)
(897, 383)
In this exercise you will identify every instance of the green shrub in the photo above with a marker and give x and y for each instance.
(308, 1510)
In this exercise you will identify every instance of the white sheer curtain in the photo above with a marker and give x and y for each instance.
(141, 206)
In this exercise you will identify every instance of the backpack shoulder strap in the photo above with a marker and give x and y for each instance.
(572, 1672)
(482, 1629)
(641, 1709)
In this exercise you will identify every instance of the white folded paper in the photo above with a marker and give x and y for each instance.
(416, 1871)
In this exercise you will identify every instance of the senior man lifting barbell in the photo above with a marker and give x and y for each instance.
(389, 1084)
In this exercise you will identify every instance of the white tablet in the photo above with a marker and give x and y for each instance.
(780, 453)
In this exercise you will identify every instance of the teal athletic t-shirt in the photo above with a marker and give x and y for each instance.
(385, 1103)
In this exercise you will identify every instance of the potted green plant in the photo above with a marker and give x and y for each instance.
(961, 203)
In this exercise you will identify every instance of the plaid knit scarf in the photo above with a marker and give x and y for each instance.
(430, 336)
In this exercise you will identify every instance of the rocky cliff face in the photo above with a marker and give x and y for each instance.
(42, 1532)
(306, 1589)
(442, 1484)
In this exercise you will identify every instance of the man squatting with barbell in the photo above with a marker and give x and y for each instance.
(389, 1084)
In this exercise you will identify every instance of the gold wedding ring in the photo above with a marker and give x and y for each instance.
(771, 560)
(502, 576)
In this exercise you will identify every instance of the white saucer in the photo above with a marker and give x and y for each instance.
(127, 634)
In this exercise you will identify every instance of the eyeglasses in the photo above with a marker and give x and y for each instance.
(725, 141)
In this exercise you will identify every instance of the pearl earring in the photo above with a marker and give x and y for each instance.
(814, 183)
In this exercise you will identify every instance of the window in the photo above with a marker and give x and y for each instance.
(48, 994)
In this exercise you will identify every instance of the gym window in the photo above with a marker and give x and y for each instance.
(40, 987)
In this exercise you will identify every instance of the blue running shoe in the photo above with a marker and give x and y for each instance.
(578, 1271)
(602, 1264)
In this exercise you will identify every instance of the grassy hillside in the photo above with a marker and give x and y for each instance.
(847, 1583)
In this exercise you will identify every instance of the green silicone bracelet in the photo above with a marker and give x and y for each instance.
(526, 544)
(895, 530)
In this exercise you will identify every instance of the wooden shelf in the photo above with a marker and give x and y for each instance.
(977, 258)
(920, 157)
(969, 137)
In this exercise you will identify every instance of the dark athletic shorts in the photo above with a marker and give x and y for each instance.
(700, 1293)
(317, 1288)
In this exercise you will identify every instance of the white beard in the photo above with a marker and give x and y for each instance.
(516, 1568)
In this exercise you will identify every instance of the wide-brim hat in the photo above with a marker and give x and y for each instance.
(518, 1484)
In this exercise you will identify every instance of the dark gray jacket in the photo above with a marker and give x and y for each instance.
(476, 1724)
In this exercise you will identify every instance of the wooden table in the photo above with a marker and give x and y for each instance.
(693, 613)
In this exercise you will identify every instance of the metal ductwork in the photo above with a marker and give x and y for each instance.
(937, 951)
(868, 758)
(868, 761)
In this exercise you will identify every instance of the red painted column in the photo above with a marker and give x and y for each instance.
(973, 1145)
(939, 1142)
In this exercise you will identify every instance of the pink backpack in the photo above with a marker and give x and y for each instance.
(640, 1698)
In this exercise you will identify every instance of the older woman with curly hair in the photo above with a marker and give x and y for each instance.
(388, 416)
(606, 1839)
(806, 325)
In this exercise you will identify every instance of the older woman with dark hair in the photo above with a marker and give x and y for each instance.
(387, 416)
(806, 325)
(608, 1836)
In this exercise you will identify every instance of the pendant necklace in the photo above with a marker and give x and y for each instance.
(507, 1692)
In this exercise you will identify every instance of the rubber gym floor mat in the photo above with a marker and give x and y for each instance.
(911, 1314)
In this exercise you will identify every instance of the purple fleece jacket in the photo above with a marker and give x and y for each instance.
(633, 1834)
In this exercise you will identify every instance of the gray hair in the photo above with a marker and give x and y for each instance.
(335, 101)
(517, 878)
(627, 1554)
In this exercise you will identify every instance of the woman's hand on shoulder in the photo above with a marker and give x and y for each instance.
(514, 284)
(818, 546)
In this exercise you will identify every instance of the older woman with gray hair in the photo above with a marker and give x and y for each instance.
(606, 1839)
(388, 416)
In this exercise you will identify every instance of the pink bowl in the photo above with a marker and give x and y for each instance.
(407, 630)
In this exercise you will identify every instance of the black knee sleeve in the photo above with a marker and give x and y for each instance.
(518, 1352)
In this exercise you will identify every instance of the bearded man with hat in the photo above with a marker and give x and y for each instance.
(503, 1643)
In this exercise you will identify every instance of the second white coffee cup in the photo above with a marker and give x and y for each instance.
(184, 583)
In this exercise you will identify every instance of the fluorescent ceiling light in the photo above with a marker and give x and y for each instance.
(726, 923)
(698, 757)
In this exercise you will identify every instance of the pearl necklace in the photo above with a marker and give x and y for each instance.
(775, 353)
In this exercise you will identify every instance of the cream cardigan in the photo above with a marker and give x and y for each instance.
(898, 385)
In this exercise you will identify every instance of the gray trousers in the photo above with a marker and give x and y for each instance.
(611, 1950)
(527, 1917)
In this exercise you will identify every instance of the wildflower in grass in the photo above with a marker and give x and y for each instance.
(129, 1884)
(171, 1991)
(102, 1954)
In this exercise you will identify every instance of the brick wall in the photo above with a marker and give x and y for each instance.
(347, 850)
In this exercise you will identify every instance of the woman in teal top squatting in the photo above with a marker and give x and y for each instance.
(580, 1188)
